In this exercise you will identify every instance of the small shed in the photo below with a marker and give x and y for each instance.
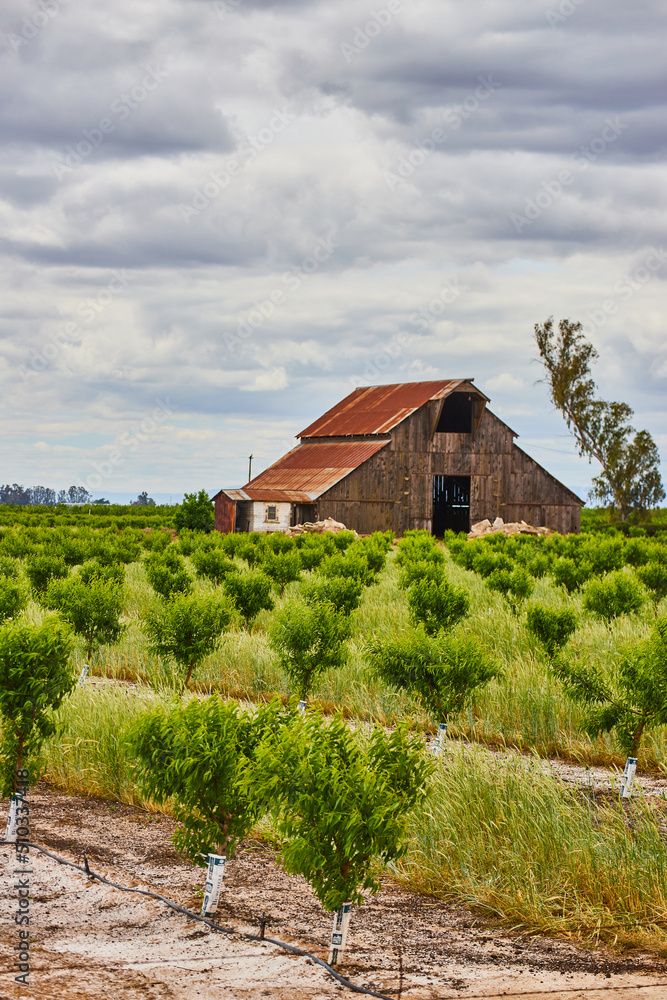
(427, 455)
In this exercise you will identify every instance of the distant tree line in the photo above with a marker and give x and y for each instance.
(29, 496)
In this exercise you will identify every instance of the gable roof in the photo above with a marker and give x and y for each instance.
(309, 470)
(377, 409)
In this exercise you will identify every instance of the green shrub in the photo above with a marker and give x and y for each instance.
(113, 573)
(437, 605)
(308, 639)
(13, 598)
(637, 552)
(187, 628)
(414, 571)
(570, 574)
(418, 547)
(350, 566)
(515, 586)
(604, 554)
(344, 593)
(615, 594)
(35, 676)
(41, 568)
(442, 671)
(250, 592)
(340, 801)
(93, 608)
(213, 564)
(277, 541)
(282, 567)
(9, 567)
(196, 512)
(311, 555)
(550, 627)
(249, 551)
(490, 562)
(343, 539)
(654, 577)
(201, 757)
(167, 574)
(629, 697)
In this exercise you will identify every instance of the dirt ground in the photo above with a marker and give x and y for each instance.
(90, 940)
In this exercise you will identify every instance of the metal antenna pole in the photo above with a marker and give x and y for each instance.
(250, 457)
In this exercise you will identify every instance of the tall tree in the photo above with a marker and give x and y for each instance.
(630, 478)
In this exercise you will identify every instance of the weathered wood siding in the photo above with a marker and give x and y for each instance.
(259, 518)
(394, 488)
(225, 510)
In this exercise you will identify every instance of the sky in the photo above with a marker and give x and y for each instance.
(218, 217)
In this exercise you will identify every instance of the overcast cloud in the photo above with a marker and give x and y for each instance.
(219, 216)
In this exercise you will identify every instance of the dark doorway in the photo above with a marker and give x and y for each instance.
(451, 504)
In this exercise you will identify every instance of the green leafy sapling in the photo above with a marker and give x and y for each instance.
(167, 574)
(341, 801)
(202, 757)
(570, 574)
(250, 592)
(197, 512)
(654, 577)
(550, 627)
(424, 570)
(350, 565)
(629, 696)
(515, 585)
(13, 598)
(213, 564)
(282, 567)
(443, 672)
(437, 605)
(35, 676)
(43, 567)
(344, 593)
(615, 594)
(309, 639)
(93, 608)
(187, 628)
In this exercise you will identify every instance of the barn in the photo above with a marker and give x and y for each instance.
(427, 455)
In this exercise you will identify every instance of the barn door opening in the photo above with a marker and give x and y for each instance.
(451, 504)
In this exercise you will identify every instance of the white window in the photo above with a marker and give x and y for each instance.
(272, 513)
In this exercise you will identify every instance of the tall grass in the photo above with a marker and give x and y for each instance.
(511, 841)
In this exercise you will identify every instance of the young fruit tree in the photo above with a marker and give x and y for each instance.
(613, 595)
(167, 574)
(515, 585)
(93, 608)
(282, 567)
(42, 567)
(202, 756)
(196, 512)
(13, 598)
(309, 639)
(250, 592)
(35, 676)
(213, 564)
(551, 628)
(341, 801)
(187, 628)
(443, 672)
(629, 697)
(343, 592)
(437, 605)
(653, 575)
(630, 478)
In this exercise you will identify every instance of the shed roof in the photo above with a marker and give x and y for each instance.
(308, 471)
(377, 409)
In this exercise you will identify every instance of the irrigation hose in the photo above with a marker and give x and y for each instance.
(229, 931)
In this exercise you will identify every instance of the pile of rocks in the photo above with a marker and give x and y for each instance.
(318, 527)
(485, 527)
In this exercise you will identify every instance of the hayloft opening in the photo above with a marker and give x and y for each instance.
(451, 504)
(456, 414)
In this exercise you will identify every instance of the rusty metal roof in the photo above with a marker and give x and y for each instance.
(309, 470)
(267, 496)
(377, 409)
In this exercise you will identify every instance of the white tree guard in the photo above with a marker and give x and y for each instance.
(628, 777)
(214, 876)
(302, 706)
(83, 675)
(341, 923)
(13, 819)
(439, 741)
